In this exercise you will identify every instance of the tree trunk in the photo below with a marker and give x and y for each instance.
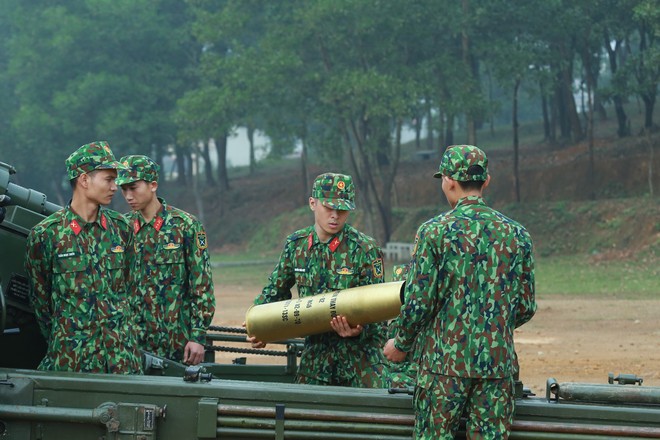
(590, 124)
(250, 136)
(180, 165)
(649, 105)
(471, 125)
(429, 125)
(514, 117)
(650, 168)
(573, 119)
(221, 149)
(546, 117)
(304, 173)
(449, 131)
(194, 173)
(208, 167)
(621, 118)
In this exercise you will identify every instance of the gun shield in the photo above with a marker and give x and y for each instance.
(312, 314)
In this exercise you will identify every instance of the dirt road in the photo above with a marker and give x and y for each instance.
(569, 339)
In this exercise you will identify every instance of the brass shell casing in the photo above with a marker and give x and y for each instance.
(312, 314)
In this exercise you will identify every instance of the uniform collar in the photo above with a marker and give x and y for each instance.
(333, 243)
(158, 221)
(470, 200)
(76, 223)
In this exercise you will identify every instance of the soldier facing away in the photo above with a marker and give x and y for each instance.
(77, 262)
(332, 255)
(172, 273)
(471, 283)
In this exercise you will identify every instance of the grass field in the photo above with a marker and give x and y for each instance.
(576, 275)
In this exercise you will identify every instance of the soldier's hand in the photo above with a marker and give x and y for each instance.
(392, 353)
(340, 325)
(4, 201)
(193, 353)
(254, 341)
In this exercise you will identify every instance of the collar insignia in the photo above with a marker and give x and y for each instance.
(75, 227)
(334, 244)
(158, 223)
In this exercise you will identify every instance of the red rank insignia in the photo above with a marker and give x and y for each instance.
(334, 244)
(310, 241)
(75, 227)
(104, 222)
(158, 223)
(136, 226)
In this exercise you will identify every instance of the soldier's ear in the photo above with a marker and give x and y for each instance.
(312, 203)
(486, 183)
(83, 180)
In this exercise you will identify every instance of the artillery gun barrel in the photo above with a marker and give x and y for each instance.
(312, 314)
(24, 197)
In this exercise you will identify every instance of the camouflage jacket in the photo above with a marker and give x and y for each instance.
(349, 259)
(471, 283)
(172, 279)
(77, 273)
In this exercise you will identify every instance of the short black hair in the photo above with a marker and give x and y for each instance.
(73, 181)
(471, 185)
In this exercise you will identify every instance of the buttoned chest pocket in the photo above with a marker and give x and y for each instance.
(116, 269)
(170, 264)
(70, 275)
(344, 281)
(304, 281)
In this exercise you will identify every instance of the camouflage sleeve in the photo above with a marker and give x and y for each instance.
(527, 304)
(282, 279)
(39, 269)
(421, 286)
(200, 283)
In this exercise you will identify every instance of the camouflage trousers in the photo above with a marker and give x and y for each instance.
(440, 401)
(330, 360)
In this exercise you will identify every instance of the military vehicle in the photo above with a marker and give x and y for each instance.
(240, 401)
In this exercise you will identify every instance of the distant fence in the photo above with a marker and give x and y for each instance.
(398, 251)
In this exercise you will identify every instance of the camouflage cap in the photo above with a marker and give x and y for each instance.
(138, 167)
(457, 161)
(93, 156)
(335, 191)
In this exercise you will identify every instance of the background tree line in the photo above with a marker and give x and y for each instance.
(340, 78)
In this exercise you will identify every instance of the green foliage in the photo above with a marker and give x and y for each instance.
(93, 70)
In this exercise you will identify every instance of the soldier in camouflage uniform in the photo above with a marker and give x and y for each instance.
(77, 263)
(172, 272)
(471, 283)
(332, 255)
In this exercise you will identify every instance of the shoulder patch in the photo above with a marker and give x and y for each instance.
(377, 266)
(200, 240)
